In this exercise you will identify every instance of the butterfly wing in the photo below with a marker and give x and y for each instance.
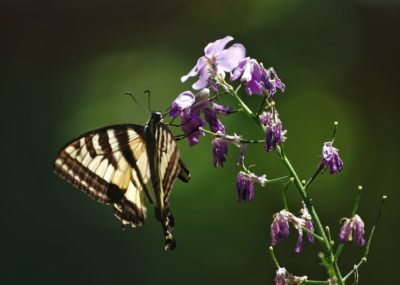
(110, 165)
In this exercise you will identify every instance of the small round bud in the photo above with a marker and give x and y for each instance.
(272, 104)
(321, 255)
(291, 179)
(303, 182)
(335, 123)
(384, 197)
(359, 187)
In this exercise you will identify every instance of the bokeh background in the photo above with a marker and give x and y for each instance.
(64, 68)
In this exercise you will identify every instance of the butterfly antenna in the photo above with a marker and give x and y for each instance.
(134, 99)
(148, 99)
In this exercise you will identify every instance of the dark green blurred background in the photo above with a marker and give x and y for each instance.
(64, 68)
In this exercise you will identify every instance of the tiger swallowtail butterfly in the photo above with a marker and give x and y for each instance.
(120, 164)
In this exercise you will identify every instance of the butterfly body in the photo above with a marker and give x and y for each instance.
(121, 164)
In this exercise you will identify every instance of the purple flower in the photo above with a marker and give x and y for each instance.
(256, 78)
(355, 224)
(245, 187)
(218, 58)
(280, 276)
(299, 243)
(272, 81)
(274, 135)
(345, 231)
(220, 150)
(215, 125)
(280, 227)
(189, 107)
(358, 226)
(191, 122)
(305, 215)
(331, 159)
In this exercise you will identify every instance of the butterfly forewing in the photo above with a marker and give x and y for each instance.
(111, 165)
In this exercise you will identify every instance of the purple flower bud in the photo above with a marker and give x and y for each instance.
(280, 276)
(215, 125)
(191, 123)
(280, 227)
(245, 187)
(241, 154)
(274, 135)
(218, 58)
(220, 150)
(345, 231)
(358, 227)
(305, 215)
(299, 243)
(355, 224)
(309, 226)
(331, 159)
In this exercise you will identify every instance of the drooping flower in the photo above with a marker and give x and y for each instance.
(218, 58)
(307, 223)
(220, 147)
(189, 107)
(355, 224)
(280, 227)
(245, 187)
(331, 159)
(358, 226)
(272, 81)
(257, 79)
(220, 150)
(299, 243)
(280, 277)
(274, 135)
(305, 215)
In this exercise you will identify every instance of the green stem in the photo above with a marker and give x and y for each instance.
(357, 201)
(378, 216)
(319, 169)
(315, 282)
(271, 251)
(363, 260)
(277, 179)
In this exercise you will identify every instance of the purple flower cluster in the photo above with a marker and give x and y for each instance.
(245, 187)
(257, 79)
(274, 135)
(355, 224)
(189, 108)
(331, 159)
(280, 227)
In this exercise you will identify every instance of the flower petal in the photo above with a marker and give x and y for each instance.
(229, 58)
(201, 63)
(216, 47)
